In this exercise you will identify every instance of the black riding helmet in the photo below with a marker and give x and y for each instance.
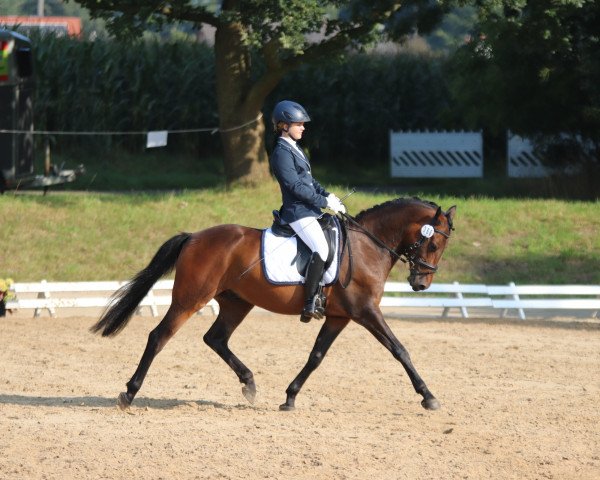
(289, 112)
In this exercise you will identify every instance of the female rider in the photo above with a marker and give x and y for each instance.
(302, 196)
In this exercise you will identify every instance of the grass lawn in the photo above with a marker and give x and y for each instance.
(88, 235)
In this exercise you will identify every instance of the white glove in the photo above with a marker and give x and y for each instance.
(335, 204)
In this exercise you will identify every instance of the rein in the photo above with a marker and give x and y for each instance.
(375, 240)
(407, 255)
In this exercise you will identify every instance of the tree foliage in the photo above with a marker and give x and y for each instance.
(454, 28)
(532, 66)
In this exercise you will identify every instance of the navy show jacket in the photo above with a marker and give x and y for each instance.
(301, 194)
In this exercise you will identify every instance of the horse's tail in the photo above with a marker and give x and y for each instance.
(128, 297)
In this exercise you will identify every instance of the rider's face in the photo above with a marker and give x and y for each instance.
(295, 130)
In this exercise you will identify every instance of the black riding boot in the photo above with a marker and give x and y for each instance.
(314, 274)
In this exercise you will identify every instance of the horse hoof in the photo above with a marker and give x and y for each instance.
(249, 392)
(123, 401)
(286, 408)
(431, 404)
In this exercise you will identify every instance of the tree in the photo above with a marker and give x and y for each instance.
(451, 32)
(532, 67)
(257, 42)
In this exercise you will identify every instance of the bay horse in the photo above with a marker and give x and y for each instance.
(214, 263)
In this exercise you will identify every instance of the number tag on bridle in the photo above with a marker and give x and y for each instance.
(427, 231)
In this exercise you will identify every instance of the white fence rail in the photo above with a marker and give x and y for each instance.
(442, 295)
(48, 296)
(436, 154)
(51, 297)
(572, 297)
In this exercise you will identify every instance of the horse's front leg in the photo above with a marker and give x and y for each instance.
(328, 333)
(372, 319)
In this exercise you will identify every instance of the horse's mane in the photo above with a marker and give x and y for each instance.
(399, 202)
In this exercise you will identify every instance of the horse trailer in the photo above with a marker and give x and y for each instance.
(17, 90)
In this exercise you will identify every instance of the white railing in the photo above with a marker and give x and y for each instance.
(582, 298)
(52, 296)
(571, 297)
(442, 295)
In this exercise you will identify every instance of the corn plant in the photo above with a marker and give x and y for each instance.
(106, 85)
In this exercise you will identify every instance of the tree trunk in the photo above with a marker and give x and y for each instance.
(243, 132)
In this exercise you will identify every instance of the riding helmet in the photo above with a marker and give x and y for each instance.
(289, 112)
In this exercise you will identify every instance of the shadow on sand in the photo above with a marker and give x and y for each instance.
(103, 402)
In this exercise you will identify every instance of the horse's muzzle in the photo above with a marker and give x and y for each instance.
(419, 281)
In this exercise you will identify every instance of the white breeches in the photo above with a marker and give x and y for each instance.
(309, 230)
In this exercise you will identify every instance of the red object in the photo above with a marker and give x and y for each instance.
(71, 25)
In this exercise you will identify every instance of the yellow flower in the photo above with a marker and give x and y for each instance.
(5, 284)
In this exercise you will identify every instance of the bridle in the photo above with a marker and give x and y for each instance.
(408, 254)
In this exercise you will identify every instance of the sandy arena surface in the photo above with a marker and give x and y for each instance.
(519, 401)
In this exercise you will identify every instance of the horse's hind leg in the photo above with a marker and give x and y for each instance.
(232, 310)
(327, 335)
(172, 321)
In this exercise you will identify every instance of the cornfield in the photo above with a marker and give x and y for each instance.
(105, 85)
(354, 103)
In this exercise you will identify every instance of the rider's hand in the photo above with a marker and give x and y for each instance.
(335, 204)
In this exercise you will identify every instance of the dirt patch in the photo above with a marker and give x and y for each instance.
(519, 400)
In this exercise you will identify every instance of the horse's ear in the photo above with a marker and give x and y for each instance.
(451, 211)
(438, 213)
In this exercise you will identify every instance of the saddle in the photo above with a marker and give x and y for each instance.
(327, 222)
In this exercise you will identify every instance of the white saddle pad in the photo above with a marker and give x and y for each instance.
(278, 252)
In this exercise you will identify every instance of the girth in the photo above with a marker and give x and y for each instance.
(302, 258)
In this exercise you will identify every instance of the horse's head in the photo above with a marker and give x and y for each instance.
(417, 230)
(423, 246)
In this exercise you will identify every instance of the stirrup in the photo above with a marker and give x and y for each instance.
(314, 308)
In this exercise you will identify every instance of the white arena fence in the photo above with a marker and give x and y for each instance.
(436, 154)
(47, 296)
(449, 154)
(439, 298)
(522, 160)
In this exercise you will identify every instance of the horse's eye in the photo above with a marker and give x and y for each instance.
(432, 247)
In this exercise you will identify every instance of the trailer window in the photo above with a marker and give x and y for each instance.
(24, 62)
